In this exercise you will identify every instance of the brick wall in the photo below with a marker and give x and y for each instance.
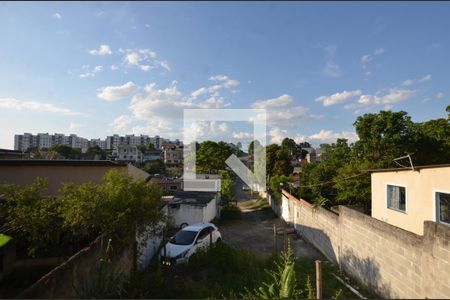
(392, 262)
(65, 280)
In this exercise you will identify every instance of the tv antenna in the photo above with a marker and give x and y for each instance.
(404, 157)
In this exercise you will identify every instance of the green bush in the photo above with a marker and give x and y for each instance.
(230, 212)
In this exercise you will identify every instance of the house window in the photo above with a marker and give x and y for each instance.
(396, 197)
(443, 207)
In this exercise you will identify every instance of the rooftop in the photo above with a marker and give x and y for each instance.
(416, 168)
(58, 162)
(191, 197)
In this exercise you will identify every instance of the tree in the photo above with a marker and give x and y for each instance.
(252, 146)
(278, 161)
(154, 167)
(32, 218)
(290, 147)
(384, 136)
(316, 178)
(226, 190)
(277, 183)
(118, 207)
(211, 156)
(95, 152)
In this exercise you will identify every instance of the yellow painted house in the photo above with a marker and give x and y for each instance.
(409, 196)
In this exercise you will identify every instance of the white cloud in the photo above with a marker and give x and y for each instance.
(440, 95)
(410, 82)
(366, 58)
(225, 81)
(159, 110)
(12, 103)
(92, 72)
(379, 51)
(112, 93)
(114, 67)
(282, 109)
(213, 92)
(338, 97)
(277, 135)
(392, 97)
(280, 101)
(102, 50)
(242, 135)
(331, 68)
(121, 122)
(57, 16)
(425, 78)
(328, 136)
(144, 59)
(73, 126)
(299, 138)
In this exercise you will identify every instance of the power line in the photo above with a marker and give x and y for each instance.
(332, 181)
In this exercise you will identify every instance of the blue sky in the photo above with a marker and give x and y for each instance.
(100, 68)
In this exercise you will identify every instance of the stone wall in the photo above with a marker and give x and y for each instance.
(65, 280)
(392, 262)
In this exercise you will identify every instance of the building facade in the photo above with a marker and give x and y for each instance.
(23, 142)
(406, 198)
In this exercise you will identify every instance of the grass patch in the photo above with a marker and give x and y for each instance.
(226, 272)
(217, 273)
(330, 284)
(255, 204)
(230, 212)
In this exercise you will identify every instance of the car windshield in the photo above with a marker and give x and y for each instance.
(183, 237)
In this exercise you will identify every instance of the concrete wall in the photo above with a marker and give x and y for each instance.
(420, 185)
(147, 246)
(65, 281)
(392, 262)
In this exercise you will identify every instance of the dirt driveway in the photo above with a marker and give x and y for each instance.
(255, 230)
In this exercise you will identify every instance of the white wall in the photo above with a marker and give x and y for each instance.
(186, 213)
(210, 211)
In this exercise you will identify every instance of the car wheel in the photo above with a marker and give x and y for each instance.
(183, 225)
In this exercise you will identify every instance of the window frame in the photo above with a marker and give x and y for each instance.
(406, 197)
(437, 206)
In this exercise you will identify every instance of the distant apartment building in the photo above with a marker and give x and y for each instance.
(23, 142)
(98, 142)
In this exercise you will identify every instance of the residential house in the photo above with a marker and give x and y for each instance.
(172, 154)
(190, 207)
(11, 154)
(152, 155)
(127, 153)
(58, 172)
(169, 184)
(407, 197)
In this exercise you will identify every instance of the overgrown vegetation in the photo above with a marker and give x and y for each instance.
(117, 207)
(224, 272)
(340, 177)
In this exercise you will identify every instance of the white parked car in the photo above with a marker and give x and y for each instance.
(189, 240)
